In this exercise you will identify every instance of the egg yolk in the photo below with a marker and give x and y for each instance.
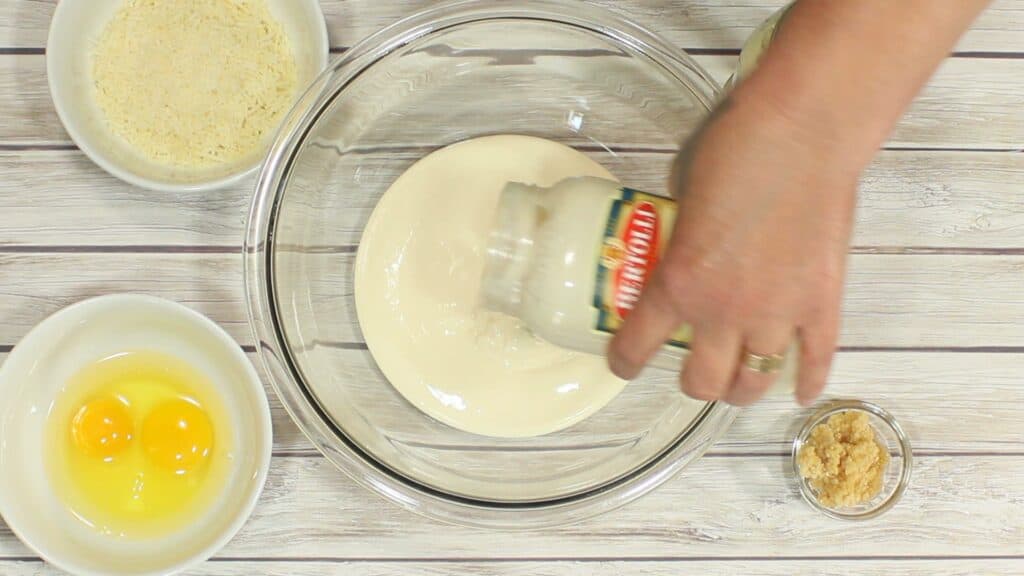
(102, 428)
(177, 436)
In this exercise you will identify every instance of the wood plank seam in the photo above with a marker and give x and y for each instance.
(396, 149)
(692, 50)
(350, 249)
(569, 559)
(5, 348)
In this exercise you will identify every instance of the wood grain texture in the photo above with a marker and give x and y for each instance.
(27, 115)
(971, 103)
(714, 24)
(892, 301)
(69, 231)
(745, 507)
(981, 392)
(926, 391)
(944, 200)
(761, 567)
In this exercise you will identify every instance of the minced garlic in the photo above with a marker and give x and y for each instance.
(194, 83)
(843, 460)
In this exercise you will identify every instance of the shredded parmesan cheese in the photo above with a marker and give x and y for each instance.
(194, 83)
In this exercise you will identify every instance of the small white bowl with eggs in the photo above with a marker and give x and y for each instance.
(39, 374)
(149, 143)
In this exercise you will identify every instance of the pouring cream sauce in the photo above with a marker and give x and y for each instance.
(417, 290)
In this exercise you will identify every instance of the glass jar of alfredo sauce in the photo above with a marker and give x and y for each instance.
(570, 261)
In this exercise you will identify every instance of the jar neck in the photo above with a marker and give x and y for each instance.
(510, 247)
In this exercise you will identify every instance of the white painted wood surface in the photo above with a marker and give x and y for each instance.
(892, 300)
(971, 103)
(958, 201)
(926, 390)
(722, 506)
(939, 262)
(763, 567)
(692, 24)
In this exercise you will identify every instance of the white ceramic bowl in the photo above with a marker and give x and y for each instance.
(37, 369)
(74, 30)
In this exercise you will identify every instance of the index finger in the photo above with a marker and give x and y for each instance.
(645, 330)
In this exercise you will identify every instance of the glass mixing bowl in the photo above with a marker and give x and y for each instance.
(564, 71)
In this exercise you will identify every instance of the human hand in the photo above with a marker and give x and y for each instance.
(757, 256)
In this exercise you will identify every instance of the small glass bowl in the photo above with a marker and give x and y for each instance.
(897, 473)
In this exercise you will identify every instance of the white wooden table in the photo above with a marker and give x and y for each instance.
(934, 331)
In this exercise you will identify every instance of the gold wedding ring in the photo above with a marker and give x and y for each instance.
(764, 363)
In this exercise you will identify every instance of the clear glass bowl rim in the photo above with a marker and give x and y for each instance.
(259, 284)
(903, 441)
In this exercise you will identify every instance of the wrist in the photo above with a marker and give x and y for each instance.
(842, 73)
(807, 130)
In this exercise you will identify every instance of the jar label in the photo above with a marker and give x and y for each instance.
(638, 228)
